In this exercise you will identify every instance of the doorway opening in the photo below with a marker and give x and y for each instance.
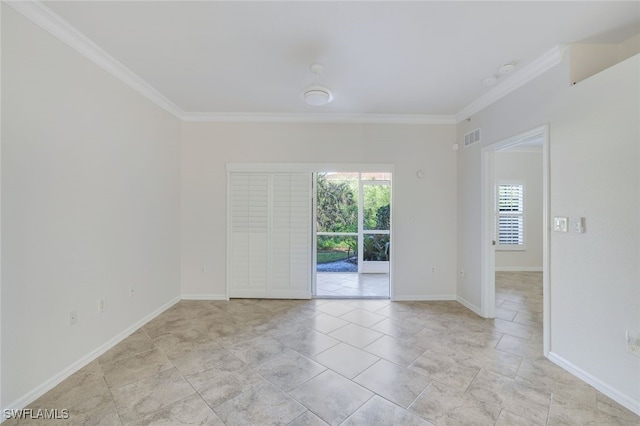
(504, 225)
(352, 249)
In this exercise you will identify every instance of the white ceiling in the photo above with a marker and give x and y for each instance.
(424, 58)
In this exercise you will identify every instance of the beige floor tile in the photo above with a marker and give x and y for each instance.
(398, 328)
(307, 419)
(356, 335)
(186, 412)
(513, 394)
(521, 347)
(346, 360)
(145, 396)
(331, 397)
(379, 411)
(220, 384)
(394, 350)
(446, 406)
(397, 384)
(362, 317)
(335, 308)
(258, 351)
(136, 343)
(308, 342)
(134, 368)
(289, 370)
(476, 371)
(261, 405)
(324, 323)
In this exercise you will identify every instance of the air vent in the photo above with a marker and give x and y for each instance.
(472, 137)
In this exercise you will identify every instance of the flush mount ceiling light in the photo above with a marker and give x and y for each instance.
(317, 95)
(507, 68)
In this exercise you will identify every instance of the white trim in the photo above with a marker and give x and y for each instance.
(469, 305)
(204, 297)
(540, 65)
(609, 391)
(423, 297)
(240, 117)
(58, 27)
(309, 167)
(519, 269)
(525, 150)
(58, 378)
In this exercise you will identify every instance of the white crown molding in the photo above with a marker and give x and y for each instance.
(544, 63)
(58, 27)
(318, 118)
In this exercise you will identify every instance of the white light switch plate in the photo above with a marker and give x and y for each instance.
(560, 224)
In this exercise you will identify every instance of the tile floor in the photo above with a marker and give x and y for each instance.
(349, 362)
(349, 284)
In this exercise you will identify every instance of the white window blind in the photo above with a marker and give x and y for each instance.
(510, 215)
(270, 235)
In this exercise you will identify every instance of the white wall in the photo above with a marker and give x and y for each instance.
(90, 207)
(424, 211)
(594, 161)
(523, 164)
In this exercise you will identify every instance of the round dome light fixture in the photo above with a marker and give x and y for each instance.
(507, 68)
(317, 95)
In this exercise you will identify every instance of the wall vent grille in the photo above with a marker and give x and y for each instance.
(472, 137)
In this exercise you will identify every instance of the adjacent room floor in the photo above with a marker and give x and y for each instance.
(350, 362)
(352, 284)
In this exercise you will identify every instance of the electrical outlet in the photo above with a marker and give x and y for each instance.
(73, 317)
(131, 291)
(102, 306)
(463, 272)
(633, 343)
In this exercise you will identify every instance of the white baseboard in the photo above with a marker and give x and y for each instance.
(54, 381)
(518, 268)
(469, 305)
(204, 297)
(423, 298)
(612, 393)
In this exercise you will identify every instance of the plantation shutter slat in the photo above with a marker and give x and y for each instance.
(270, 235)
(510, 215)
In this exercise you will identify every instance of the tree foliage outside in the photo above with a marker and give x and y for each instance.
(337, 211)
(337, 205)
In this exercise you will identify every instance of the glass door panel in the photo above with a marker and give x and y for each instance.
(375, 226)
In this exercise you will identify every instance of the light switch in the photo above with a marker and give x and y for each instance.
(560, 224)
(578, 225)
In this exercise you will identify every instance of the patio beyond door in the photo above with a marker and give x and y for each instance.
(353, 234)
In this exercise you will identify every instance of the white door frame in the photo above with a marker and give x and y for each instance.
(487, 254)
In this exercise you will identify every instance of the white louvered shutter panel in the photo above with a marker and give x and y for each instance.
(249, 234)
(510, 215)
(291, 236)
(270, 235)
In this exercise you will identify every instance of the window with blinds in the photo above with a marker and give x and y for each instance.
(510, 216)
(270, 218)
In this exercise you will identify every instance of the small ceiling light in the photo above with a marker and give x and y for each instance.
(507, 68)
(489, 81)
(317, 95)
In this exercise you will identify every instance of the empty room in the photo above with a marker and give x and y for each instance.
(320, 213)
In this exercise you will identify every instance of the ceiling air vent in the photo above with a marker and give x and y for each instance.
(472, 137)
